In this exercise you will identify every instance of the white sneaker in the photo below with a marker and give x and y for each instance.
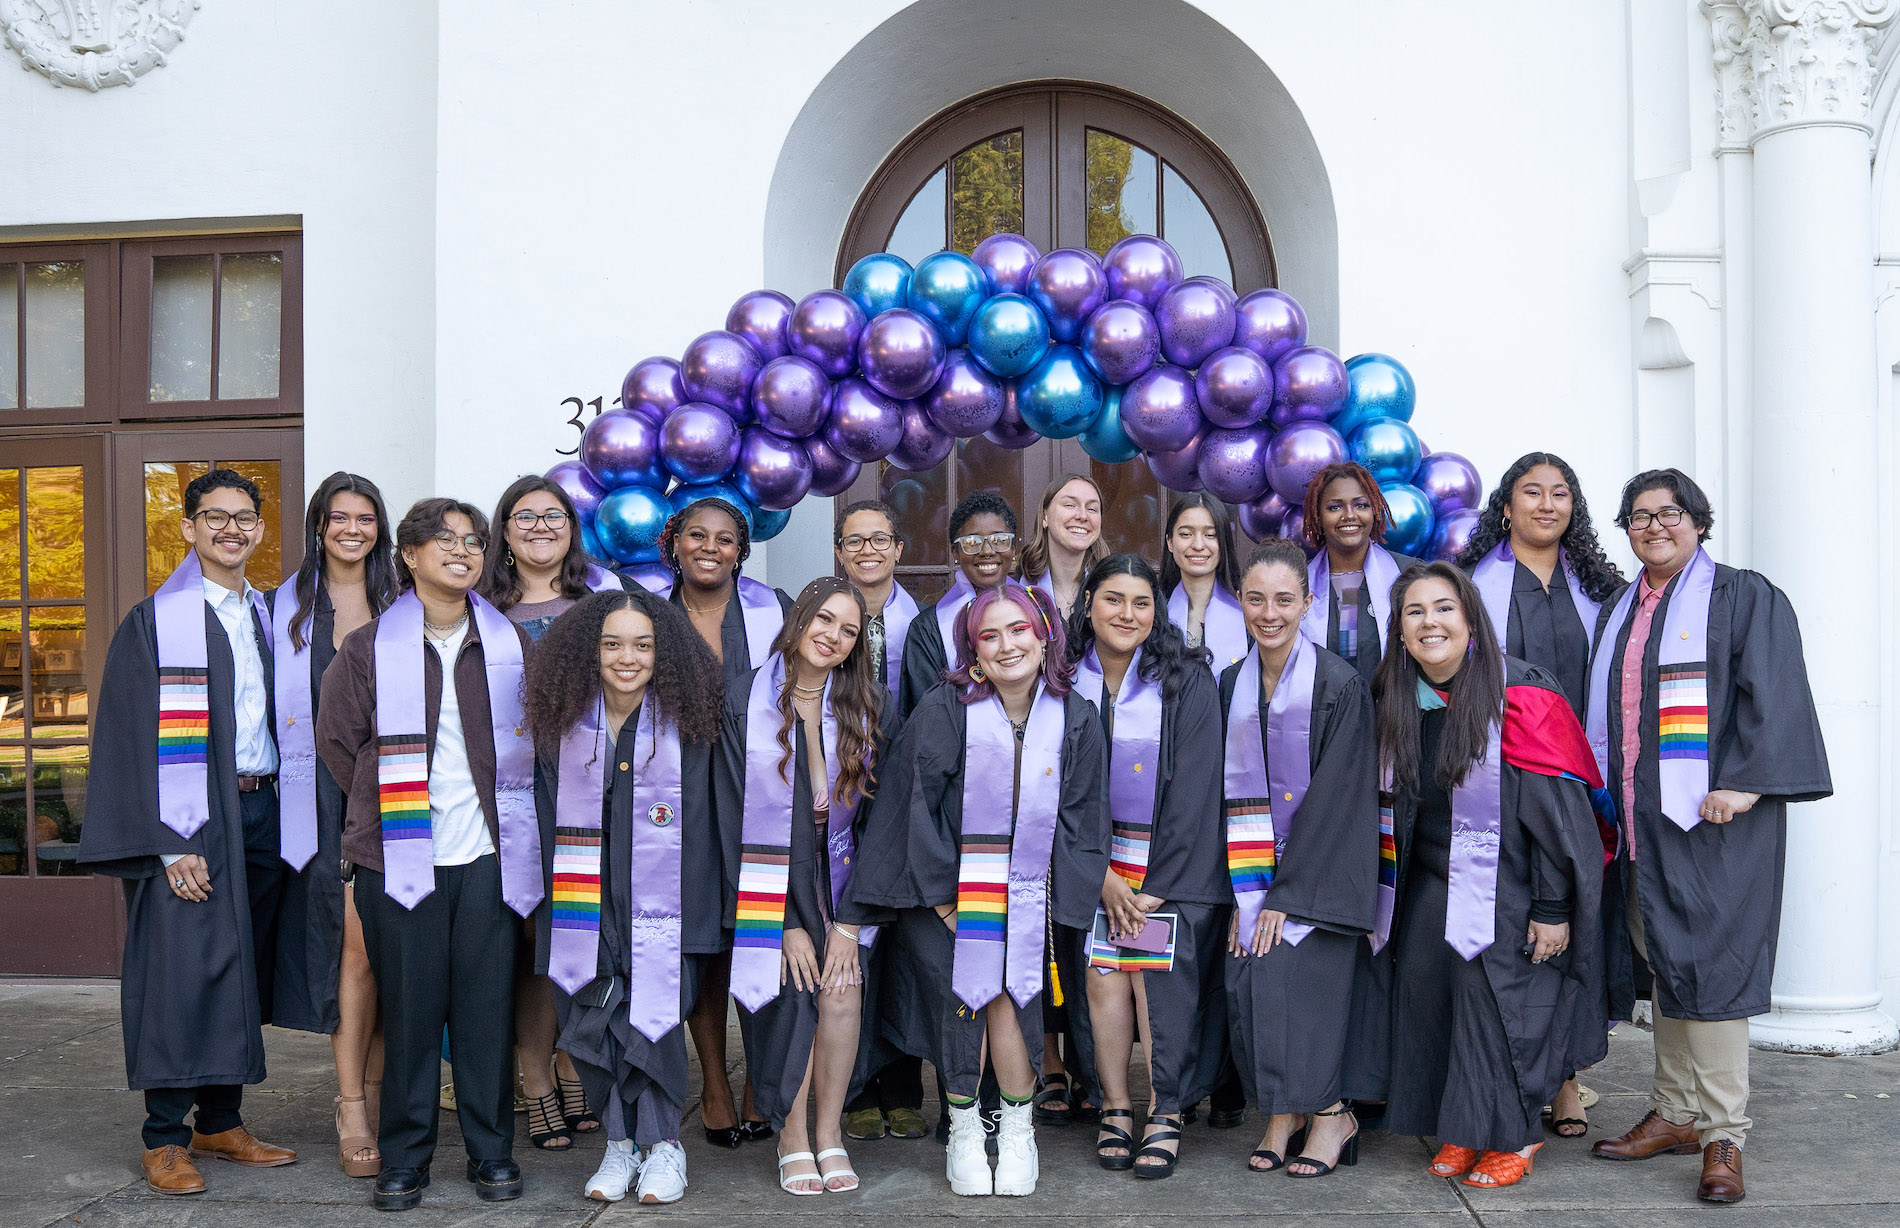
(617, 1170)
(965, 1163)
(663, 1174)
(1016, 1164)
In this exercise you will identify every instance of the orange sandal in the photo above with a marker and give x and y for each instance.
(1453, 1160)
(1501, 1168)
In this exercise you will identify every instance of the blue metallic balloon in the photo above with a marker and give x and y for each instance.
(1452, 532)
(590, 542)
(766, 524)
(1008, 335)
(878, 283)
(1387, 449)
(572, 477)
(699, 442)
(946, 289)
(1104, 439)
(1068, 284)
(628, 524)
(1233, 463)
(1010, 430)
(1409, 531)
(1006, 260)
(759, 318)
(1121, 341)
(622, 448)
(684, 496)
(773, 472)
(1060, 397)
(901, 354)
(1379, 386)
(966, 400)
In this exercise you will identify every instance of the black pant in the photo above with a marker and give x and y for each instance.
(899, 1085)
(264, 874)
(450, 960)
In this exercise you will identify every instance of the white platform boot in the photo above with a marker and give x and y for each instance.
(1016, 1163)
(965, 1163)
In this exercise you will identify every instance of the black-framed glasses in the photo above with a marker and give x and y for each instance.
(216, 519)
(1667, 517)
(526, 521)
(975, 543)
(858, 541)
(474, 543)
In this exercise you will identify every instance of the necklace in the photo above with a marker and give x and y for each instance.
(808, 690)
(720, 608)
(450, 629)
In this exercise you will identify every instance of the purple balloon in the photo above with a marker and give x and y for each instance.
(1160, 412)
(1068, 284)
(1261, 518)
(1299, 452)
(718, 369)
(773, 472)
(791, 397)
(1010, 430)
(760, 318)
(1453, 533)
(1006, 260)
(824, 328)
(901, 354)
(1141, 268)
(966, 400)
(1270, 323)
(831, 474)
(1176, 470)
(699, 443)
(653, 389)
(1309, 386)
(572, 477)
(1196, 318)
(1450, 481)
(622, 448)
(1233, 464)
(1293, 528)
(1121, 341)
(1234, 387)
(922, 445)
(865, 424)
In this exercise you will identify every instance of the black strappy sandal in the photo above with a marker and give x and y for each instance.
(1051, 1092)
(1348, 1151)
(1275, 1161)
(1122, 1139)
(546, 1125)
(1566, 1127)
(580, 1118)
(1169, 1159)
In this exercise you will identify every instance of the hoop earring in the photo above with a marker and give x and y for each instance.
(510, 559)
(977, 674)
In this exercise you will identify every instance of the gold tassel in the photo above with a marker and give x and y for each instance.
(1055, 980)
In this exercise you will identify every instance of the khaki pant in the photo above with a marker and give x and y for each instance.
(1701, 1068)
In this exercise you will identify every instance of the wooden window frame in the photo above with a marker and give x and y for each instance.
(102, 297)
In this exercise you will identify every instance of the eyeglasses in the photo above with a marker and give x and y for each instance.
(527, 520)
(1667, 517)
(858, 541)
(216, 520)
(474, 543)
(975, 543)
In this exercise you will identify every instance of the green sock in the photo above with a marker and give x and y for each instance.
(960, 1102)
(1013, 1101)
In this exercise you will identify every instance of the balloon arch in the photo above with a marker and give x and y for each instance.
(1123, 353)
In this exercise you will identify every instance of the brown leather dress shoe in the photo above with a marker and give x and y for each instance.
(1649, 1137)
(240, 1146)
(169, 1170)
(1721, 1172)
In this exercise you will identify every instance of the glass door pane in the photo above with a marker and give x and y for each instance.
(1186, 223)
(165, 483)
(986, 182)
(1121, 190)
(920, 230)
(9, 336)
(55, 318)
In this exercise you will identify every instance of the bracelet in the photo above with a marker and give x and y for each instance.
(840, 931)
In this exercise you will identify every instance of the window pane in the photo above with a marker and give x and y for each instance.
(56, 651)
(266, 568)
(919, 232)
(181, 329)
(55, 532)
(250, 325)
(1132, 507)
(59, 805)
(55, 355)
(9, 534)
(922, 502)
(1121, 184)
(1191, 229)
(12, 809)
(165, 484)
(9, 336)
(986, 182)
(12, 677)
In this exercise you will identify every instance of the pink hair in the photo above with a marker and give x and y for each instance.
(1040, 609)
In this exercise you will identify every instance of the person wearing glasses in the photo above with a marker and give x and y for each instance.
(421, 719)
(983, 547)
(1704, 727)
(182, 805)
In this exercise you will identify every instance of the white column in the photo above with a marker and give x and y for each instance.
(1810, 69)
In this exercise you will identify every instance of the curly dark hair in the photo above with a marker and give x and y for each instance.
(1165, 657)
(501, 579)
(857, 693)
(1227, 567)
(975, 504)
(1598, 576)
(564, 670)
(1689, 498)
(1316, 489)
(676, 524)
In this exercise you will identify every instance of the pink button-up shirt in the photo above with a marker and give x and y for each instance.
(1630, 697)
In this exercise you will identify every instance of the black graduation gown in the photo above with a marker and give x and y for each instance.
(778, 1037)
(908, 863)
(190, 998)
(925, 659)
(1480, 1046)
(310, 927)
(1547, 630)
(1367, 663)
(734, 650)
(1711, 896)
(613, 1058)
(1290, 1009)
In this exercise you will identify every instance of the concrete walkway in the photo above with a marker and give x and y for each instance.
(1827, 1135)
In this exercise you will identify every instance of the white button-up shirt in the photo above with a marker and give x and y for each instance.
(256, 752)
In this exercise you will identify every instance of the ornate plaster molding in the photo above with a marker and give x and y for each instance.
(1789, 63)
(95, 43)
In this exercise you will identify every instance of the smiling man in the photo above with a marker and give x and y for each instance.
(182, 805)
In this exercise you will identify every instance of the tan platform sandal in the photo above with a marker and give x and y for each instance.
(350, 1147)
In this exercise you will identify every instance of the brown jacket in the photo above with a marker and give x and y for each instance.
(346, 732)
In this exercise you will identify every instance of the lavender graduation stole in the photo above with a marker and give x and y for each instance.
(1682, 691)
(1496, 578)
(653, 938)
(580, 799)
(600, 580)
(403, 755)
(296, 735)
(184, 699)
(899, 609)
(1133, 764)
(757, 602)
(1471, 894)
(1265, 779)
(948, 607)
(1381, 571)
(1223, 626)
(1003, 881)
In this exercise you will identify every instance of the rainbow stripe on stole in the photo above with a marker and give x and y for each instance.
(1683, 712)
(1249, 844)
(184, 715)
(764, 873)
(402, 786)
(577, 878)
(983, 887)
(1128, 851)
(1388, 851)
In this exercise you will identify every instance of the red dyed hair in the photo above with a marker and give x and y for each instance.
(1381, 514)
(1044, 619)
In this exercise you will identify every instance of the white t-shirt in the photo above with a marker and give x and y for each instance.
(457, 832)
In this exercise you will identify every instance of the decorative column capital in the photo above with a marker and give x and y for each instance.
(1790, 63)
